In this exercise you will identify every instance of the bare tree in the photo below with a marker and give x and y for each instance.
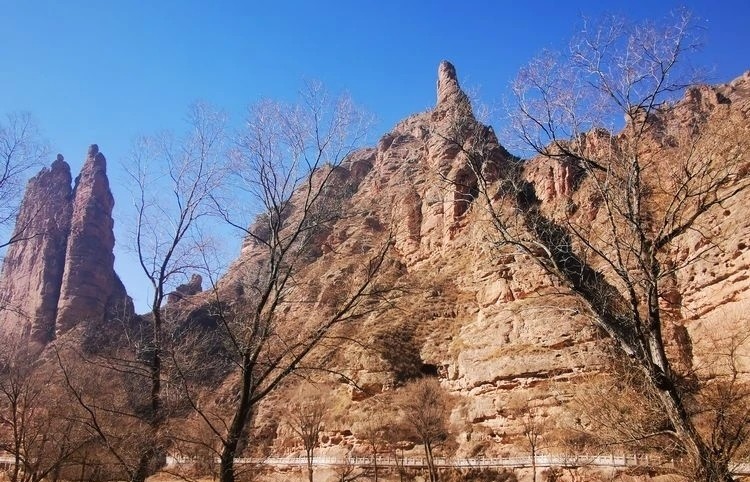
(721, 405)
(37, 428)
(616, 256)
(373, 434)
(620, 408)
(396, 439)
(305, 417)
(534, 426)
(111, 398)
(173, 182)
(623, 409)
(425, 407)
(173, 179)
(290, 162)
(21, 149)
(348, 472)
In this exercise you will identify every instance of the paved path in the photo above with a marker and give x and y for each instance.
(604, 461)
(541, 461)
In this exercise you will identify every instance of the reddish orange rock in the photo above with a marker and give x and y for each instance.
(60, 272)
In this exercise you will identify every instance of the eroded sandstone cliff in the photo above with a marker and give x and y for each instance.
(499, 333)
(60, 271)
(33, 266)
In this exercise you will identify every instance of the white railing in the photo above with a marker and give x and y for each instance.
(603, 461)
(742, 468)
(510, 462)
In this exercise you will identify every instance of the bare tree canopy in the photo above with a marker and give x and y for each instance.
(290, 161)
(172, 181)
(425, 406)
(306, 417)
(39, 429)
(21, 149)
(615, 72)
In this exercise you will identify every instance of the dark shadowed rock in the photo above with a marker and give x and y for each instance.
(193, 287)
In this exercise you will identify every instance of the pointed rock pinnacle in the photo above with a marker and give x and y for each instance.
(449, 93)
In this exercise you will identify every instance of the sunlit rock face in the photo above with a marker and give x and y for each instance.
(489, 324)
(449, 93)
(61, 270)
(90, 288)
(495, 328)
(497, 331)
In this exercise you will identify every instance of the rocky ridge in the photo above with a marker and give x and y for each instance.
(491, 325)
(497, 331)
(62, 272)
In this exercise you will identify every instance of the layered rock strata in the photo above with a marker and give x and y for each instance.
(499, 333)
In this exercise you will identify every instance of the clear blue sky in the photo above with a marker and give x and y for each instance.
(105, 72)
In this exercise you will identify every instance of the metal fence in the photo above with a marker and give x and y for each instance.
(474, 462)
(611, 460)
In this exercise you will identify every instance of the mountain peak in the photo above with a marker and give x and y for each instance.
(62, 270)
(449, 93)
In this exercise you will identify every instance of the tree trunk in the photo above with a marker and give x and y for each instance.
(399, 459)
(16, 467)
(707, 466)
(430, 463)
(309, 454)
(226, 463)
(714, 471)
(149, 455)
(83, 467)
(229, 450)
(237, 427)
(141, 472)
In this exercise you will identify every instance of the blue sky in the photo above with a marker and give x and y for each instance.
(105, 72)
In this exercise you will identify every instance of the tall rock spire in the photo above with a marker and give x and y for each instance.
(89, 260)
(449, 93)
(33, 266)
(61, 271)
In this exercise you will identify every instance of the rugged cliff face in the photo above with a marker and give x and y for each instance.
(706, 298)
(491, 325)
(61, 271)
(33, 267)
(497, 331)
(90, 288)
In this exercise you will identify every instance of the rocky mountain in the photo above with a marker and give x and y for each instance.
(492, 327)
(62, 273)
(502, 335)
(498, 331)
